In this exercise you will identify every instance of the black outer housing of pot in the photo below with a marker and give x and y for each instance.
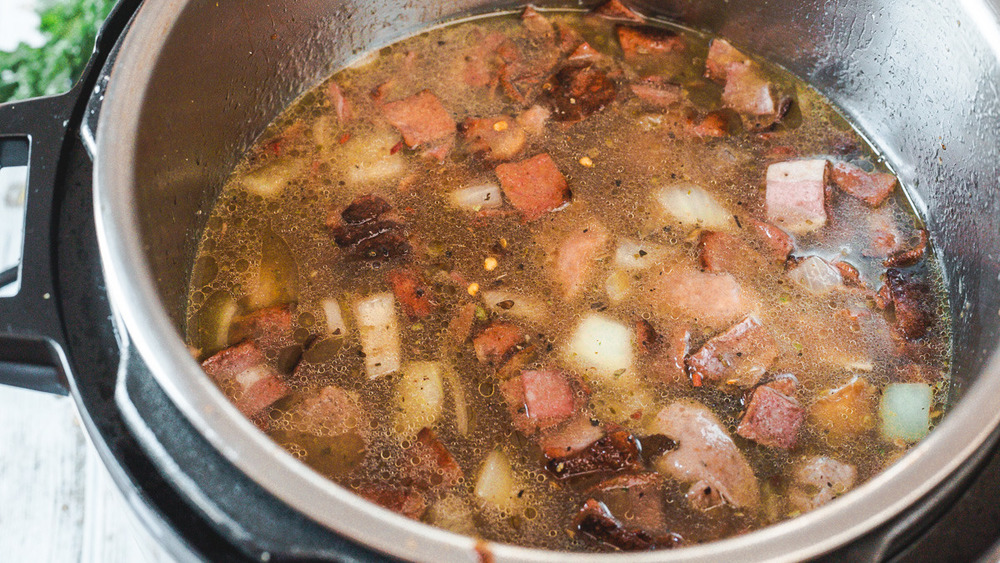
(61, 336)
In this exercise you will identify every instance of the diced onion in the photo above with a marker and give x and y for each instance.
(474, 198)
(335, 324)
(495, 485)
(379, 329)
(692, 206)
(370, 158)
(635, 255)
(516, 305)
(459, 402)
(905, 411)
(816, 275)
(270, 179)
(454, 514)
(601, 347)
(420, 395)
(618, 286)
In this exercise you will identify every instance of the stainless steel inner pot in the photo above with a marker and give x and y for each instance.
(198, 80)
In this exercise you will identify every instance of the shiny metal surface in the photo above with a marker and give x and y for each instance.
(197, 81)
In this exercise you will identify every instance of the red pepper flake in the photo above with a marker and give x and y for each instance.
(695, 379)
(395, 148)
(343, 138)
(274, 147)
(636, 415)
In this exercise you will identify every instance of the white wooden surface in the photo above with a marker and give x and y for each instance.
(57, 502)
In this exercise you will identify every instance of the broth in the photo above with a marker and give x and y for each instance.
(516, 287)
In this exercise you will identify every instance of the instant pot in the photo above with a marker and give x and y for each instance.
(124, 168)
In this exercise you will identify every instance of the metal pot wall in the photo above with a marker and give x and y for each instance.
(197, 81)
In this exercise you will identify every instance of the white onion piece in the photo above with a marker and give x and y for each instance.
(692, 206)
(454, 514)
(335, 324)
(516, 305)
(601, 348)
(459, 402)
(618, 286)
(369, 158)
(816, 275)
(379, 330)
(495, 485)
(420, 398)
(270, 179)
(905, 411)
(634, 255)
(474, 198)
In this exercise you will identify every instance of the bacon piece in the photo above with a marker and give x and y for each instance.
(461, 324)
(908, 257)
(481, 64)
(703, 496)
(657, 93)
(571, 438)
(749, 93)
(721, 54)
(365, 208)
(403, 500)
(713, 124)
(496, 342)
(872, 188)
(746, 89)
(705, 453)
(911, 300)
(433, 468)
(341, 106)
(635, 502)
(796, 194)
(776, 242)
(848, 273)
(411, 292)
(616, 451)
(538, 400)
(667, 353)
(533, 119)
(615, 10)
(722, 252)
(772, 418)
(420, 118)
(714, 300)
(534, 186)
(594, 520)
(498, 138)
(635, 499)
(576, 92)
(243, 372)
(637, 42)
(536, 23)
(584, 53)
(331, 411)
(368, 230)
(574, 258)
(439, 149)
(842, 414)
(740, 356)
(269, 328)
(818, 480)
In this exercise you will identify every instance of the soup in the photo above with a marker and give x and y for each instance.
(579, 281)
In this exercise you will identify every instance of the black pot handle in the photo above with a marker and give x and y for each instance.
(34, 133)
(32, 341)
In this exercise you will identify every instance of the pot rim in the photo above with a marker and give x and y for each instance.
(966, 428)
